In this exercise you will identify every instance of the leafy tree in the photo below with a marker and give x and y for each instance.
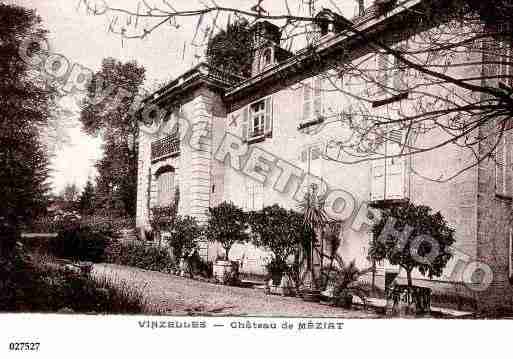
(184, 236)
(228, 49)
(227, 225)
(426, 247)
(107, 111)
(26, 106)
(86, 202)
(279, 230)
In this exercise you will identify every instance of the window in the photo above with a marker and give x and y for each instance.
(391, 74)
(257, 120)
(503, 166)
(312, 100)
(387, 174)
(505, 58)
(510, 255)
(165, 186)
(267, 58)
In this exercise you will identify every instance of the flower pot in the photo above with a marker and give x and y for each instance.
(226, 272)
(311, 295)
(276, 277)
(344, 301)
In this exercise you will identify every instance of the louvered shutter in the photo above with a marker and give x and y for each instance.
(307, 102)
(382, 71)
(268, 116)
(508, 172)
(304, 156)
(377, 180)
(394, 178)
(317, 96)
(499, 167)
(245, 120)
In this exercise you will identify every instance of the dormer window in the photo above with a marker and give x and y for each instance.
(267, 58)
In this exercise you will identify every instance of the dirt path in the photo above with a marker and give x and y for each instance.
(180, 296)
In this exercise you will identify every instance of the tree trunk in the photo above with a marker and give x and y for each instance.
(408, 276)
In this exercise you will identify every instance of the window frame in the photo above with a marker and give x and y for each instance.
(248, 123)
(312, 86)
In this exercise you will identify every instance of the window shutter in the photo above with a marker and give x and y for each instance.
(245, 120)
(268, 115)
(317, 94)
(377, 180)
(508, 171)
(382, 71)
(304, 156)
(499, 167)
(307, 102)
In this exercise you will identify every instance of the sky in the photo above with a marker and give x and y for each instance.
(84, 39)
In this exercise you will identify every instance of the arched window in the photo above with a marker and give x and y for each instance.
(267, 58)
(165, 185)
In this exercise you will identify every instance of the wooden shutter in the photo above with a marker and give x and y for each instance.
(382, 71)
(245, 120)
(317, 96)
(508, 163)
(377, 180)
(268, 125)
(394, 177)
(499, 167)
(307, 102)
(304, 156)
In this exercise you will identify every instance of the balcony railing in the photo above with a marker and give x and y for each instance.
(165, 147)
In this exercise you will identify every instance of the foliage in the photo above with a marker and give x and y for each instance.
(80, 243)
(345, 280)
(112, 118)
(184, 236)
(140, 256)
(280, 231)
(421, 222)
(164, 217)
(30, 287)
(228, 49)
(227, 225)
(86, 201)
(26, 104)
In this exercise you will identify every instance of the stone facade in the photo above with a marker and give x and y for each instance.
(217, 108)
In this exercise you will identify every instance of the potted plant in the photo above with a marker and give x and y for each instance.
(315, 218)
(183, 241)
(281, 232)
(276, 268)
(227, 225)
(345, 284)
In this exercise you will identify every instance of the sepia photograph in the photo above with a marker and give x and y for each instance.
(176, 161)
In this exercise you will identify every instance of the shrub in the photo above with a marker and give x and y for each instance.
(280, 231)
(227, 225)
(26, 287)
(184, 236)
(79, 243)
(430, 256)
(140, 256)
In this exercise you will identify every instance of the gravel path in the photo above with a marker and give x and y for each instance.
(181, 296)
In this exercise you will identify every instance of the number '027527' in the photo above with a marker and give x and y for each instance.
(24, 346)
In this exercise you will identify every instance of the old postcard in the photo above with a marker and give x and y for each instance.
(255, 166)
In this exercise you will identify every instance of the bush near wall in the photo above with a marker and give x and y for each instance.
(29, 287)
(80, 244)
(140, 256)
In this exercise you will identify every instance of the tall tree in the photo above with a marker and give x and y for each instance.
(26, 106)
(107, 111)
(228, 49)
(86, 201)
